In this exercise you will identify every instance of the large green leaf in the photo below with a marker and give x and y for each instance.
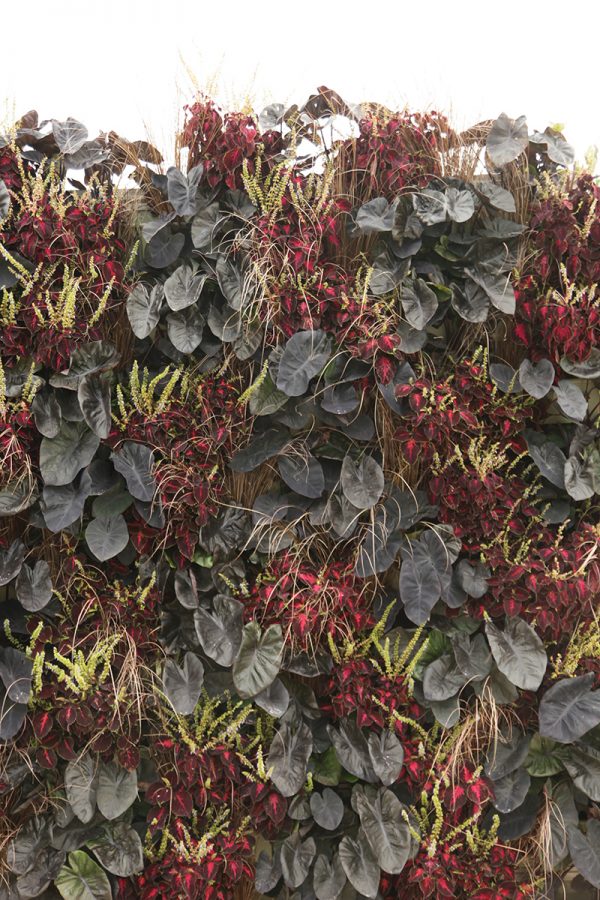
(83, 879)
(258, 660)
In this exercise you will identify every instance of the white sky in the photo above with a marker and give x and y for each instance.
(122, 64)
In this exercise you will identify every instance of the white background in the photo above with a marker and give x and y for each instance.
(125, 64)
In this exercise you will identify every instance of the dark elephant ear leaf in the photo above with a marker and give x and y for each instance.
(329, 878)
(11, 561)
(536, 378)
(327, 809)
(585, 850)
(63, 456)
(107, 536)
(116, 791)
(303, 474)
(119, 849)
(303, 357)
(569, 709)
(362, 483)
(261, 448)
(135, 462)
(143, 308)
(360, 864)
(220, 631)
(518, 652)
(296, 859)
(93, 394)
(288, 758)
(34, 586)
(258, 660)
(15, 672)
(387, 756)
(507, 140)
(183, 685)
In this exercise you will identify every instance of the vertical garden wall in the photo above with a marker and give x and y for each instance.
(299, 525)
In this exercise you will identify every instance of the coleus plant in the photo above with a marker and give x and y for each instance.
(298, 518)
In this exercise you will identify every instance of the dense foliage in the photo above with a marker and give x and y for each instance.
(299, 532)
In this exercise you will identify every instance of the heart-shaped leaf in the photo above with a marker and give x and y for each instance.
(81, 784)
(63, 456)
(375, 216)
(380, 814)
(511, 790)
(135, 462)
(34, 586)
(302, 474)
(536, 378)
(61, 506)
(327, 809)
(328, 878)
(107, 536)
(69, 135)
(569, 709)
(362, 483)
(83, 879)
(497, 196)
(507, 140)
(571, 400)
(303, 357)
(183, 287)
(518, 652)
(119, 849)
(352, 750)
(183, 685)
(296, 859)
(387, 756)
(185, 329)
(116, 791)
(419, 303)
(360, 864)
(220, 631)
(182, 189)
(585, 851)
(143, 309)
(15, 672)
(258, 660)
(288, 758)
(93, 394)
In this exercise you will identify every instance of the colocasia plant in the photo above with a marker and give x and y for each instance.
(299, 537)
